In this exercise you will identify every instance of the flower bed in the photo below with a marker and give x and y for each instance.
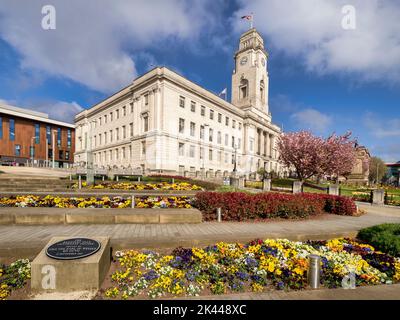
(361, 196)
(93, 202)
(238, 206)
(256, 266)
(13, 277)
(182, 186)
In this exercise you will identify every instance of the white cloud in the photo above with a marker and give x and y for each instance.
(94, 39)
(312, 31)
(311, 119)
(382, 128)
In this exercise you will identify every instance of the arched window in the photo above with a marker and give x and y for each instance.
(243, 88)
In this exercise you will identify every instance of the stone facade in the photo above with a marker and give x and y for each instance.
(164, 123)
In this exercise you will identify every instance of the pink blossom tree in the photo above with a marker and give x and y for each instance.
(311, 156)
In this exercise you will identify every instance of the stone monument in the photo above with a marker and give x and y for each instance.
(71, 264)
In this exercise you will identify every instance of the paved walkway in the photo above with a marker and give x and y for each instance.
(381, 292)
(28, 240)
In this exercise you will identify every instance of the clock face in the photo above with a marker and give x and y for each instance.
(243, 61)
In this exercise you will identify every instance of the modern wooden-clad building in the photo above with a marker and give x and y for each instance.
(28, 137)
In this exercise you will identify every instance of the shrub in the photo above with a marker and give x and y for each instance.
(384, 237)
(239, 206)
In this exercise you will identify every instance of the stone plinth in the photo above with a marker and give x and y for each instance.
(333, 189)
(378, 197)
(235, 182)
(267, 185)
(297, 187)
(241, 183)
(52, 275)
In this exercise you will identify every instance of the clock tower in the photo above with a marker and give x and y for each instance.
(250, 77)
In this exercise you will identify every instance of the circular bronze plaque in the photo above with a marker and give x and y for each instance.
(71, 249)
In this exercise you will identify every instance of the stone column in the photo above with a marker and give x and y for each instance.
(297, 186)
(265, 143)
(378, 197)
(333, 189)
(271, 146)
(267, 185)
(258, 141)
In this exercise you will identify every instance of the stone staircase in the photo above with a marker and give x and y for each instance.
(33, 184)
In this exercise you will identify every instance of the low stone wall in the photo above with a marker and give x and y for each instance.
(61, 216)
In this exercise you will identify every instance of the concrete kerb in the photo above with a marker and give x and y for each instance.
(60, 216)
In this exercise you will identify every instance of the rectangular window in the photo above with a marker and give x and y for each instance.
(143, 148)
(17, 150)
(1, 128)
(124, 111)
(111, 116)
(111, 136)
(226, 121)
(182, 102)
(131, 129)
(203, 111)
(105, 119)
(123, 153)
(240, 126)
(201, 152)
(219, 117)
(234, 124)
(86, 140)
(181, 149)
(202, 132)
(69, 138)
(12, 130)
(219, 156)
(50, 153)
(59, 137)
(117, 114)
(146, 99)
(210, 154)
(60, 154)
(131, 104)
(219, 138)
(226, 157)
(233, 142)
(48, 134)
(123, 132)
(37, 133)
(233, 159)
(105, 137)
(116, 154)
(211, 114)
(117, 133)
(99, 139)
(32, 151)
(181, 125)
(66, 155)
(193, 106)
(226, 139)
(192, 129)
(192, 151)
(111, 155)
(239, 143)
(210, 135)
(95, 141)
(100, 121)
(146, 123)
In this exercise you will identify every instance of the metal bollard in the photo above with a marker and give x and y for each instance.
(70, 177)
(173, 180)
(117, 178)
(138, 179)
(219, 215)
(79, 182)
(314, 271)
(133, 202)
(102, 178)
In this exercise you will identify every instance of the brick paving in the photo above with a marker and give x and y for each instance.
(28, 240)
(380, 292)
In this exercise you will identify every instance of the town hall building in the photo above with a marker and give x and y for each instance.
(165, 123)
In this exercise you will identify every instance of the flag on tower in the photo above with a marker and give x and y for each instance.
(250, 18)
(223, 93)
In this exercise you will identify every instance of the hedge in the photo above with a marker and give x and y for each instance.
(384, 237)
(239, 206)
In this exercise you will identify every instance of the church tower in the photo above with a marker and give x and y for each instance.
(250, 77)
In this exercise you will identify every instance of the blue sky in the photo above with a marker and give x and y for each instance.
(322, 77)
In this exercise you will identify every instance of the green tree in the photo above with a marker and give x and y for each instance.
(377, 169)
